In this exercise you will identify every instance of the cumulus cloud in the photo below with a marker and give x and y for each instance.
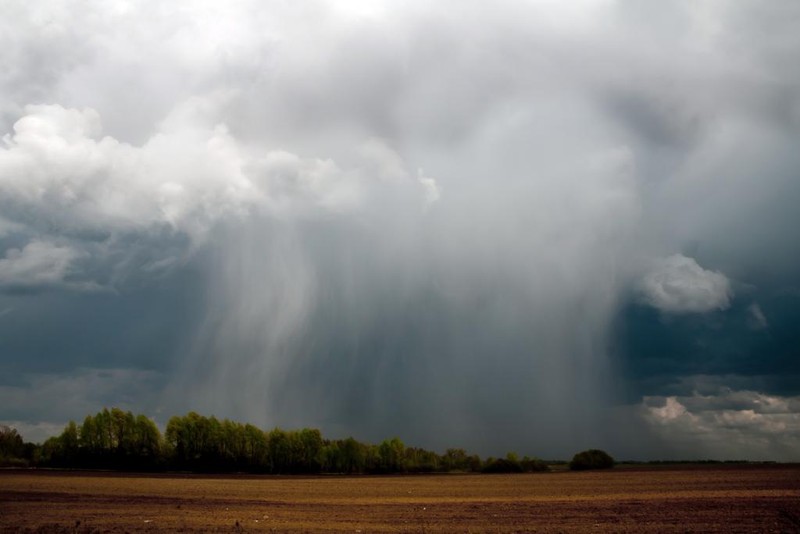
(39, 263)
(728, 424)
(59, 176)
(677, 284)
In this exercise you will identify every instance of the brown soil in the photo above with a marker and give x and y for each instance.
(739, 498)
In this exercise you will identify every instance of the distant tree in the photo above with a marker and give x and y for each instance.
(62, 450)
(213, 452)
(89, 437)
(116, 439)
(69, 442)
(280, 451)
(175, 441)
(196, 442)
(350, 456)
(509, 464)
(12, 447)
(372, 459)
(122, 428)
(533, 465)
(417, 460)
(474, 462)
(455, 460)
(256, 448)
(309, 457)
(591, 459)
(147, 446)
(50, 453)
(392, 455)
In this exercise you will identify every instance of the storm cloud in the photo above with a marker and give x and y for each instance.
(491, 227)
(677, 284)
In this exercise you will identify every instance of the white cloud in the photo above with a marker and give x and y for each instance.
(59, 176)
(38, 263)
(728, 424)
(57, 166)
(671, 410)
(677, 284)
(432, 189)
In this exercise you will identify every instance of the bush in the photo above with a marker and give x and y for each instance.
(591, 459)
(502, 465)
(534, 465)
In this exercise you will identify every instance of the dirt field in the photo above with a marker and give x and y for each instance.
(695, 499)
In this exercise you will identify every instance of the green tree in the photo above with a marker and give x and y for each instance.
(12, 447)
(123, 436)
(118, 439)
(392, 455)
(509, 464)
(591, 459)
(62, 450)
(195, 442)
(310, 454)
(88, 437)
(455, 460)
(351, 456)
(533, 465)
(69, 441)
(280, 451)
(147, 441)
(256, 448)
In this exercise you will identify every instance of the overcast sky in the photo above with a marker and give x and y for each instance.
(530, 226)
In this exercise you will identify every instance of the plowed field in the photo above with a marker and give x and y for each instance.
(724, 498)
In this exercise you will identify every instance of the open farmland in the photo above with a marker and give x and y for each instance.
(724, 498)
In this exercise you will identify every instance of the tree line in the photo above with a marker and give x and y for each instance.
(119, 440)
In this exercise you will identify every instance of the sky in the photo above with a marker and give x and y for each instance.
(528, 226)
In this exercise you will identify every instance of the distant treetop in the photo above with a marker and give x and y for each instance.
(591, 459)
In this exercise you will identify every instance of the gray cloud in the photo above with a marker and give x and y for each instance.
(38, 264)
(677, 284)
(573, 155)
(60, 177)
(727, 425)
(52, 399)
(758, 321)
(35, 432)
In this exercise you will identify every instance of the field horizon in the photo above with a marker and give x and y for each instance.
(634, 498)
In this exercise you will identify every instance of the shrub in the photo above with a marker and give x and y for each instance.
(533, 465)
(591, 459)
(502, 465)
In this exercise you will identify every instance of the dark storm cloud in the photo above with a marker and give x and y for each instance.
(656, 351)
(459, 224)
